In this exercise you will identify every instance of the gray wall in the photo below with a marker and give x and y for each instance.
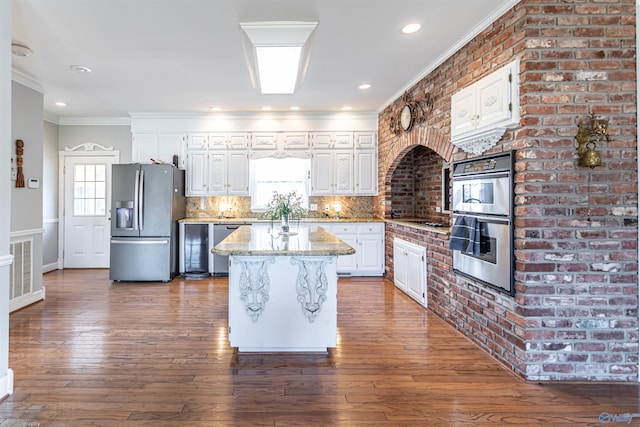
(27, 119)
(50, 198)
(117, 136)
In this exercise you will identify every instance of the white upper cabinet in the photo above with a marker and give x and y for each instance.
(217, 164)
(332, 139)
(332, 172)
(481, 113)
(343, 163)
(365, 140)
(158, 146)
(366, 173)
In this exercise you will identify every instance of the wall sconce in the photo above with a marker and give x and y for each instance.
(589, 134)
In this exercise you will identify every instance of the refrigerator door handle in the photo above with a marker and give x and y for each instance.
(140, 242)
(141, 202)
(136, 210)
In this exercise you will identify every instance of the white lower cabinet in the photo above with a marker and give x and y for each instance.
(368, 241)
(410, 269)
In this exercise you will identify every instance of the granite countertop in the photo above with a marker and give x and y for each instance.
(268, 221)
(421, 224)
(263, 240)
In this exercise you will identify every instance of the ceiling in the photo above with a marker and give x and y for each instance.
(186, 55)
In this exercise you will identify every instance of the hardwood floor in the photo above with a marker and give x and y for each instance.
(102, 354)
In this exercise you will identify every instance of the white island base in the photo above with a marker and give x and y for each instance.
(282, 303)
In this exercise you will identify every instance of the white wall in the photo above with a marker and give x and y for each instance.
(6, 376)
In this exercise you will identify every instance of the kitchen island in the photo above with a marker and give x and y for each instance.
(282, 288)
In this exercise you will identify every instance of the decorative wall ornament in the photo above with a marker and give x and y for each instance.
(254, 285)
(413, 112)
(589, 134)
(479, 143)
(19, 153)
(311, 284)
(89, 146)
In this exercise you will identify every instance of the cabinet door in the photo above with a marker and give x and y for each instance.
(238, 141)
(295, 141)
(494, 97)
(370, 254)
(322, 173)
(321, 140)
(217, 141)
(144, 147)
(196, 173)
(238, 174)
(463, 112)
(348, 263)
(347, 233)
(217, 174)
(343, 140)
(169, 145)
(343, 172)
(366, 173)
(365, 140)
(197, 141)
(415, 273)
(399, 266)
(264, 141)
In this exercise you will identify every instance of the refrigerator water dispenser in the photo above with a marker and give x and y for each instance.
(124, 215)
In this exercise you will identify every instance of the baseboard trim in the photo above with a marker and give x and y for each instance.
(50, 267)
(6, 384)
(26, 300)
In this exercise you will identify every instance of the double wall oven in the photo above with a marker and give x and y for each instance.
(482, 207)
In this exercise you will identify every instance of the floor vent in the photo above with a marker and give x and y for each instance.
(21, 271)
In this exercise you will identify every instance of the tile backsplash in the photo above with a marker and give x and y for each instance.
(240, 207)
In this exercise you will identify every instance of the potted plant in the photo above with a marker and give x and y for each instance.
(285, 207)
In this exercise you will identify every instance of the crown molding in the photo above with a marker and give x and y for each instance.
(48, 117)
(94, 121)
(259, 115)
(482, 25)
(26, 80)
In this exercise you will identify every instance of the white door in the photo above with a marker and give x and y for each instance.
(87, 202)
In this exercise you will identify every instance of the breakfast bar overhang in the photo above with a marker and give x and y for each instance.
(282, 288)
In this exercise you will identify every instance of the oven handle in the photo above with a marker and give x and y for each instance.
(489, 219)
(472, 176)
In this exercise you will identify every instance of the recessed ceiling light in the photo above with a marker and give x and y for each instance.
(266, 108)
(61, 104)
(215, 108)
(294, 108)
(411, 28)
(80, 69)
(346, 108)
(364, 86)
(20, 50)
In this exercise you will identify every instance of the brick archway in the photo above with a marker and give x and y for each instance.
(422, 136)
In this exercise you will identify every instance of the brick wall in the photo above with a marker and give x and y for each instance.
(575, 314)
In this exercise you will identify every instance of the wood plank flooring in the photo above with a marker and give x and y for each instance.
(102, 354)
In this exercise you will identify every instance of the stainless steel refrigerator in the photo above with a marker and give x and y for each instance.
(147, 202)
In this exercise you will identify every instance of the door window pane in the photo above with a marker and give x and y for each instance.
(89, 190)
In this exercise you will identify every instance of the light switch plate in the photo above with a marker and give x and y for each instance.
(313, 207)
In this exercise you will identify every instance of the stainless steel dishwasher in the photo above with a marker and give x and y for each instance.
(221, 262)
